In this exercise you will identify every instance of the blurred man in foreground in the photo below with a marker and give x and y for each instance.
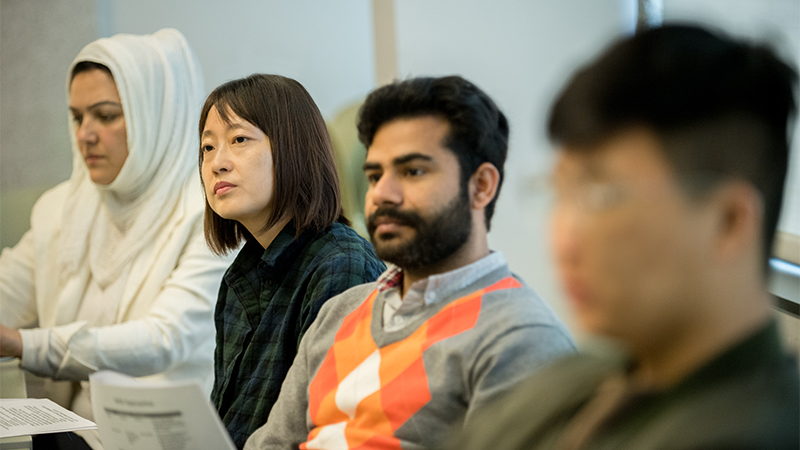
(672, 158)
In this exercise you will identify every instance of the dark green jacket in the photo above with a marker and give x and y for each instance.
(746, 398)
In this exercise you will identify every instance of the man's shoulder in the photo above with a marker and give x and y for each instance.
(339, 306)
(757, 408)
(570, 379)
(538, 405)
(509, 299)
(511, 319)
(754, 409)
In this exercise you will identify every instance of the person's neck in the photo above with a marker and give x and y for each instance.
(698, 342)
(265, 237)
(472, 250)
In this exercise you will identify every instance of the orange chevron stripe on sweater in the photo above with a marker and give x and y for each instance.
(362, 394)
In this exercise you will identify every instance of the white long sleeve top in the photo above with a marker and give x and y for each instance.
(162, 325)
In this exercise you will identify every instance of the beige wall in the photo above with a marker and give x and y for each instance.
(38, 40)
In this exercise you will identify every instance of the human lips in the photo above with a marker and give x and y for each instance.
(388, 227)
(390, 221)
(387, 224)
(91, 158)
(577, 291)
(222, 187)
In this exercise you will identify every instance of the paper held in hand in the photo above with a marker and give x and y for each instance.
(24, 416)
(138, 414)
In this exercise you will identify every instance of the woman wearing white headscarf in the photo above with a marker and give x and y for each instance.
(114, 272)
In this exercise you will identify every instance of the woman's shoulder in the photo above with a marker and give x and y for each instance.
(192, 200)
(340, 249)
(51, 201)
(55, 195)
(341, 241)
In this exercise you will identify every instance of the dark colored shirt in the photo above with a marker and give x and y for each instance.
(267, 301)
(748, 397)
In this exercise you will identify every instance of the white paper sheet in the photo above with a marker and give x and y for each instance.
(22, 416)
(136, 414)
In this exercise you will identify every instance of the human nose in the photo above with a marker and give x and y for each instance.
(220, 160)
(565, 235)
(86, 131)
(385, 191)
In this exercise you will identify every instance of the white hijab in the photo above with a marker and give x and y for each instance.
(160, 85)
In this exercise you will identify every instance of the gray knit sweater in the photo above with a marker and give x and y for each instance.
(354, 384)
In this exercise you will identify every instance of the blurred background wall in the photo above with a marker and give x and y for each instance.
(519, 51)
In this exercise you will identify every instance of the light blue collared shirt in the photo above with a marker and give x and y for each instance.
(400, 311)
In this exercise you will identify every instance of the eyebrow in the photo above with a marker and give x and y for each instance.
(231, 126)
(399, 161)
(98, 104)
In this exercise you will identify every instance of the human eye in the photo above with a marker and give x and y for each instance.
(597, 197)
(107, 117)
(373, 176)
(77, 118)
(414, 171)
(205, 148)
(240, 139)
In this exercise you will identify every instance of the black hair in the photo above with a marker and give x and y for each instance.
(306, 185)
(85, 66)
(719, 106)
(478, 130)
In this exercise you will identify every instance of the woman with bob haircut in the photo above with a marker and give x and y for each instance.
(270, 180)
(114, 273)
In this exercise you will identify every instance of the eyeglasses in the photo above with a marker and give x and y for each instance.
(599, 196)
(594, 196)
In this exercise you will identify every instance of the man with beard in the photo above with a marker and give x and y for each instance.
(407, 360)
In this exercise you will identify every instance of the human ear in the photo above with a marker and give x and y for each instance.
(483, 185)
(740, 218)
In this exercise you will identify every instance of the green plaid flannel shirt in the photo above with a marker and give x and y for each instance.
(267, 301)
